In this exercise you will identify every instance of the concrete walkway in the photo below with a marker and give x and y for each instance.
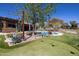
(3, 33)
(33, 37)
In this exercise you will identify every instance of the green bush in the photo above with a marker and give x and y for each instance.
(2, 43)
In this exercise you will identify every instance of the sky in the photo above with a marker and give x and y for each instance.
(10, 10)
(67, 12)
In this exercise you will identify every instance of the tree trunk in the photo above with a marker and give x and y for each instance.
(23, 25)
(34, 27)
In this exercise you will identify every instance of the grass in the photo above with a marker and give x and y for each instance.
(66, 45)
(70, 39)
(2, 43)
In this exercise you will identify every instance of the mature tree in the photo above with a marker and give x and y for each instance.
(74, 24)
(34, 13)
(65, 26)
(38, 12)
(55, 22)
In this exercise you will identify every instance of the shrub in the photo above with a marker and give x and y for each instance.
(10, 35)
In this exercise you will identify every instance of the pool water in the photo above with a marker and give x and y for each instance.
(46, 33)
(57, 34)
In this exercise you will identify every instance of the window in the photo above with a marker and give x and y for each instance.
(12, 25)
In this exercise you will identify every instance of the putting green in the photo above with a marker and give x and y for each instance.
(44, 47)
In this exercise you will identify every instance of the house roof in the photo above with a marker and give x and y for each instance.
(6, 18)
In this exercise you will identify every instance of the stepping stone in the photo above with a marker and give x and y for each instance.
(52, 45)
(78, 45)
(72, 52)
(42, 41)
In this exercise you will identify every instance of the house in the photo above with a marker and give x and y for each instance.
(9, 25)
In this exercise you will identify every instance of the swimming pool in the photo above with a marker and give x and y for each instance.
(57, 34)
(46, 33)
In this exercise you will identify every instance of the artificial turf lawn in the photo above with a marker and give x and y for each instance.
(61, 45)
